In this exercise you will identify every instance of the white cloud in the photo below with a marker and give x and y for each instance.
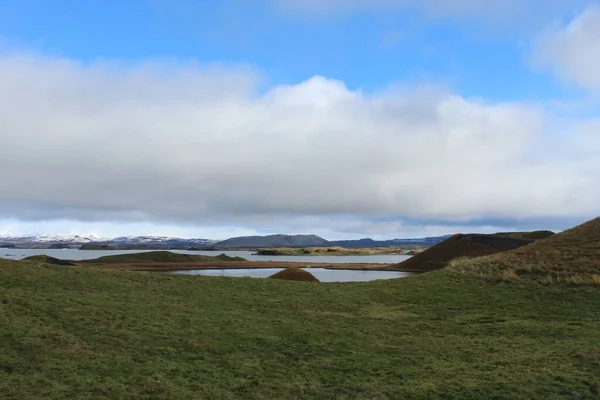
(572, 52)
(184, 143)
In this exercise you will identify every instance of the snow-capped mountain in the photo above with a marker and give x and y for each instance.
(160, 240)
(36, 240)
(45, 238)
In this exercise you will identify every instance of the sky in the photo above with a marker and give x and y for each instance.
(346, 119)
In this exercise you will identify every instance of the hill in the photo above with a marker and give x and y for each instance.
(48, 260)
(274, 241)
(459, 245)
(294, 274)
(573, 256)
(158, 256)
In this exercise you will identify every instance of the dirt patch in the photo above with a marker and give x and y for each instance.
(294, 274)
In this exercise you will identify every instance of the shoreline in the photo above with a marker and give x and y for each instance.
(182, 266)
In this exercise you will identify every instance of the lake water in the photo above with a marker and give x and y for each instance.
(73, 254)
(322, 274)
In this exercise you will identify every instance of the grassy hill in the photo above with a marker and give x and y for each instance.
(48, 260)
(572, 256)
(459, 245)
(158, 257)
(73, 332)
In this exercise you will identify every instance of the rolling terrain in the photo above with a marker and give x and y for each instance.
(572, 256)
(464, 332)
(467, 245)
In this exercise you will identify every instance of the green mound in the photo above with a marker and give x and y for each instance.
(457, 246)
(159, 256)
(572, 256)
(48, 260)
(294, 274)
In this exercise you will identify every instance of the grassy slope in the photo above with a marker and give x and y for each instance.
(460, 245)
(571, 256)
(70, 332)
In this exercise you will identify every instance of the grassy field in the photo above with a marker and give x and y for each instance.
(78, 333)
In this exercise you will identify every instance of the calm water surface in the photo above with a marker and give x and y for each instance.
(72, 254)
(322, 274)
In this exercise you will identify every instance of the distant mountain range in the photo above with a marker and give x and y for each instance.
(164, 242)
(275, 241)
(367, 242)
(76, 241)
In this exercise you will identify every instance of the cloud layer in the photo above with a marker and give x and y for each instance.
(179, 142)
(573, 51)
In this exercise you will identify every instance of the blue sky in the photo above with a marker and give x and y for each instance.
(514, 81)
(367, 50)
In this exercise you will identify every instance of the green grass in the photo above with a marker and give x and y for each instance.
(75, 333)
(570, 257)
(159, 256)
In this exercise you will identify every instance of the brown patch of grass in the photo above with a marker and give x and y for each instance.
(383, 312)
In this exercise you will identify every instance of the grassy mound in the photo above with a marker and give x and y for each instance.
(294, 274)
(572, 256)
(460, 245)
(81, 333)
(159, 256)
(48, 260)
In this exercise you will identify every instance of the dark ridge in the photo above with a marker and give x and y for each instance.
(535, 235)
